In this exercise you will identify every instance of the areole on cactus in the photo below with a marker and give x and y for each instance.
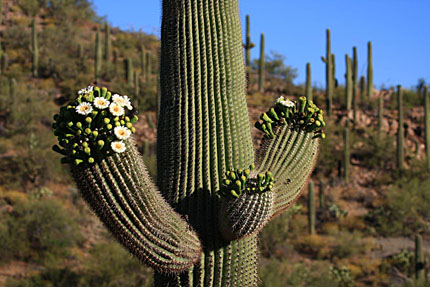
(199, 225)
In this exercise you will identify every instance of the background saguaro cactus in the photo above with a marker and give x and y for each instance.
(108, 44)
(143, 62)
(354, 83)
(248, 46)
(308, 91)
(400, 130)
(34, 49)
(98, 57)
(369, 70)
(419, 258)
(311, 207)
(427, 124)
(128, 68)
(329, 73)
(261, 65)
(205, 155)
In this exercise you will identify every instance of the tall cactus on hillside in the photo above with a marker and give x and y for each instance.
(308, 91)
(427, 124)
(400, 131)
(261, 65)
(354, 83)
(136, 85)
(419, 258)
(380, 113)
(346, 154)
(311, 207)
(248, 45)
(369, 70)
(363, 89)
(143, 62)
(98, 57)
(108, 45)
(128, 68)
(348, 86)
(329, 74)
(34, 50)
(199, 226)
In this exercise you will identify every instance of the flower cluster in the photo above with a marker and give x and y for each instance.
(237, 182)
(94, 125)
(299, 115)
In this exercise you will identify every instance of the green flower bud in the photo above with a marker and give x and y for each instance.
(104, 92)
(127, 119)
(87, 150)
(70, 124)
(109, 126)
(88, 120)
(85, 144)
(78, 161)
(117, 124)
(100, 143)
(79, 125)
(129, 125)
(134, 119)
(122, 122)
(95, 133)
(133, 129)
(90, 160)
(87, 131)
(106, 120)
(78, 132)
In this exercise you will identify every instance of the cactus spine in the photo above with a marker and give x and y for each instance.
(308, 91)
(369, 70)
(261, 65)
(143, 61)
(329, 74)
(34, 49)
(98, 57)
(400, 131)
(311, 207)
(108, 44)
(128, 67)
(427, 124)
(205, 156)
(248, 46)
(419, 258)
(354, 83)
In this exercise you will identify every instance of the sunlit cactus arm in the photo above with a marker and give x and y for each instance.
(94, 133)
(290, 147)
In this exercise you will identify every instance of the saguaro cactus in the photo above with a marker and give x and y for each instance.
(261, 65)
(136, 84)
(369, 70)
(108, 44)
(128, 68)
(248, 45)
(346, 155)
(348, 86)
(143, 61)
(427, 124)
(321, 195)
(34, 49)
(354, 83)
(148, 70)
(329, 74)
(380, 113)
(190, 231)
(419, 258)
(308, 91)
(363, 89)
(311, 207)
(400, 131)
(98, 57)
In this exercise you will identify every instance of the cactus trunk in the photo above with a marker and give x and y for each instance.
(261, 65)
(98, 57)
(354, 84)
(308, 91)
(197, 99)
(348, 85)
(321, 195)
(427, 124)
(143, 62)
(346, 155)
(329, 74)
(363, 90)
(148, 67)
(34, 49)
(108, 44)
(136, 85)
(369, 70)
(419, 258)
(400, 131)
(311, 207)
(248, 46)
(380, 113)
(128, 67)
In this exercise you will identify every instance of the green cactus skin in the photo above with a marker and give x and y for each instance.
(4, 62)
(333, 73)
(98, 57)
(380, 113)
(346, 155)
(248, 46)
(427, 124)
(136, 85)
(148, 70)
(321, 195)
(329, 74)
(369, 70)
(348, 86)
(419, 258)
(108, 45)
(150, 122)
(143, 62)
(261, 65)
(354, 84)
(12, 90)
(311, 207)
(34, 50)
(363, 89)
(308, 91)
(128, 68)
(203, 134)
(400, 131)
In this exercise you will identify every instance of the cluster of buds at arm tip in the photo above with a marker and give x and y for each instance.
(94, 125)
(238, 181)
(301, 115)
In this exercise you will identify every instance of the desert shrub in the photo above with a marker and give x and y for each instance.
(406, 209)
(342, 276)
(277, 273)
(37, 228)
(110, 265)
(49, 277)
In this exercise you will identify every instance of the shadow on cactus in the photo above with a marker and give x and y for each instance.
(188, 227)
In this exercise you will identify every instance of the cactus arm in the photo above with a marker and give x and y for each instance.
(113, 180)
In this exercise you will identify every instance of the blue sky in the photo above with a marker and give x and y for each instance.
(398, 29)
